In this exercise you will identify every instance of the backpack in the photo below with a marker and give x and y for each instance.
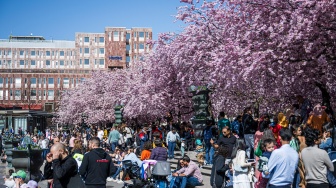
(207, 133)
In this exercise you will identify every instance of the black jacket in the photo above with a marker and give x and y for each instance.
(249, 125)
(96, 167)
(218, 171)
(61, 171)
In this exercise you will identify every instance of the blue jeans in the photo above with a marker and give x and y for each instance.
(183, 181)
(171, 147)
(117, 173)
(209, 152)
(113, 145)
(44, 153)
(249, 141)
(297, 179)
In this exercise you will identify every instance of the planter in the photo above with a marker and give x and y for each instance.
(9, 145)
(22, 161)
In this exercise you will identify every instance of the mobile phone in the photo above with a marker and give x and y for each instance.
(251, 160)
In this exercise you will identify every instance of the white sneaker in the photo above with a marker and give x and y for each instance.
(109, 179)
(120, 181)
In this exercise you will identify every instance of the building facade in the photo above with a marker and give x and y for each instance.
(35, 71)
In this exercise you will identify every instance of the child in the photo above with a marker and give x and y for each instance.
(268, 148)
(295, 142)
(326, 141)
(183, 145)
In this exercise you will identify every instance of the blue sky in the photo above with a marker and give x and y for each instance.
(60, 19)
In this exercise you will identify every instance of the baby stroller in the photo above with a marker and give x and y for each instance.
(131, 169)
(134, 173)
(160, 172)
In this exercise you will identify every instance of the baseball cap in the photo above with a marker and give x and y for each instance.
(22, 174)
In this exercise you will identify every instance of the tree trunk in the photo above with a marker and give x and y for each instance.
(325, 99)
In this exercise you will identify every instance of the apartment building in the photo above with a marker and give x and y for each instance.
(35, 71)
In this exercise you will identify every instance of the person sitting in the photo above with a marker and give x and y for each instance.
(19, 178)
(159, 153)
(189, 175)
(146, 153)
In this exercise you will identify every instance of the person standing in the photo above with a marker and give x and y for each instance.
(316, 161)
(249, 129)
(113, 138)
(60, 166)
(96, 166)
(172, 138)
(208, 134)
(227, 140)
(240, 167)
(100, 133)
(222, 122)
(283, 163)
(219, 168)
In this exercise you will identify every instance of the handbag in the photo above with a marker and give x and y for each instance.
(258, 151)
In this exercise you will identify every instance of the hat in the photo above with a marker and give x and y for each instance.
(32, 184)
(22, 174)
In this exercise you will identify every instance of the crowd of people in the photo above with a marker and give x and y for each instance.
(289, 149)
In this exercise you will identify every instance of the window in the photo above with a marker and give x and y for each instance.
(141, 46)
(58, 81)
(135, 46)
(128, 36)
(72, 81)
(86, 39)
(33, 63)
(87, 50)
(115, 35)
(66, 81)
(61, 53)
(1, 81)
(147, 35)
(33, 93)
(17, 93)
(32, 53)
(11, 93)
(101, 39)
(80, 50)
(101, 61)
(22, 62)
(0, 62)
(86, 61)
(21, 52)
(62, 63)
(128, 58)
(32, 80)
(101, 50)
(9, 52)
(80, 62)
(127, 47)
(50, 93)
(135, 34)
(48, 62)
(141, 34)
(47, 53)
(50, 80)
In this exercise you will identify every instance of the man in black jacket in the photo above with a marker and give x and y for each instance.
(60, 166)
(96, 165)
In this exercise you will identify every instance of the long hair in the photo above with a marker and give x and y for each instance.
(240, 145)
